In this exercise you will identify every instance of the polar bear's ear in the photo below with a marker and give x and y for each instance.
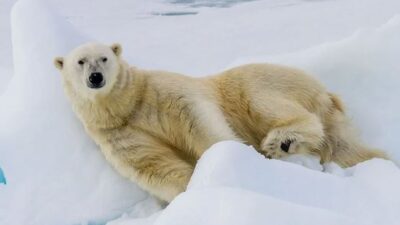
(59, 62)
(116, 48)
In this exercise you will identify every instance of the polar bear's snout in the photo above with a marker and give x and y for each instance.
(96, 80)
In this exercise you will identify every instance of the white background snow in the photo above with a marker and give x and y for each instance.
(56, 174)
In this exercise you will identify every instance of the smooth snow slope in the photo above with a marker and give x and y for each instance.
(5, 43)
(56, 175)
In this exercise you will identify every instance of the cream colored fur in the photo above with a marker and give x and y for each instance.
(153, 126)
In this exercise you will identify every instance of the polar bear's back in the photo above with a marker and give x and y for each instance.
(266, 81)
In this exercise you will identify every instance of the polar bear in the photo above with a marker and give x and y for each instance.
(153, 126)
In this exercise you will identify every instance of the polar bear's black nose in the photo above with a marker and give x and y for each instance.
(96, 80)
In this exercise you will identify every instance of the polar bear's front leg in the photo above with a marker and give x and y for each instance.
(162, 172)
(156, 166)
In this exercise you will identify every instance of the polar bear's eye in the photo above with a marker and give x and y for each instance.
(81, 62)
(104, 59)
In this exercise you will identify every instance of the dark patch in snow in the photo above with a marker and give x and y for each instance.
(173, 13)
(208, 3)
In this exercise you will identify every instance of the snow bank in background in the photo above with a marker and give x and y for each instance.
(214, 37)
(233, 184)
(55, 173)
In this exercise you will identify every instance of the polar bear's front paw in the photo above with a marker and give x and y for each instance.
(278, 144)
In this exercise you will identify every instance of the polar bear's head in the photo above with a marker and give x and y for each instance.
(90, 69)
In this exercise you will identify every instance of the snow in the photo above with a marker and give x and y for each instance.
(5, 43)
(241, 207)
(363, 194)
(56, 175)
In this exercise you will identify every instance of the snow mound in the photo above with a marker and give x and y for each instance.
(55, 173)
(368, 187)
(224, 205)
(233, 184)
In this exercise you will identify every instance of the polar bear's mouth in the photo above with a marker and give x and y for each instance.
(97, 86)
(96, 80)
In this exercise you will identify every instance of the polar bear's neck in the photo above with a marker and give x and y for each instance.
(113, 110)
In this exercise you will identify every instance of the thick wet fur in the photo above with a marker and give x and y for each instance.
(153, 126)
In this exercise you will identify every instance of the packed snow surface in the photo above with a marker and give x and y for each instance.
(56, 175)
